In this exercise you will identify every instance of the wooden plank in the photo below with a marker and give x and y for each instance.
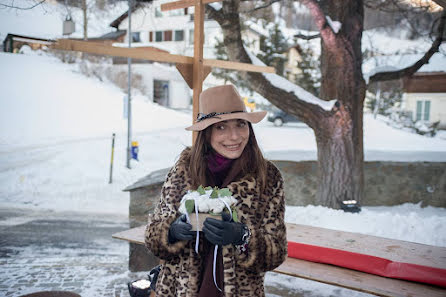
(407, 252)
(329, 274)
(183, 4)
(356, 280)
(151, 55)
(134, 235)
(238, 66)
(198, 75)
(186, 71)
(391, 249)
(136, 53)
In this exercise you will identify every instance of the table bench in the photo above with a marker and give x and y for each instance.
(355, 245)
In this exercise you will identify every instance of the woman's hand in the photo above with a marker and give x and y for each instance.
(180, 230)
(223, 232)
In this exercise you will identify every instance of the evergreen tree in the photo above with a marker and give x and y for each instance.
(273, 49)
(309, 76)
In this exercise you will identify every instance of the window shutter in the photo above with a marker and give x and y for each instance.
(150, 36)
(168, 35)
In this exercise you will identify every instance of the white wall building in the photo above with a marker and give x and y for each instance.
(172, 31)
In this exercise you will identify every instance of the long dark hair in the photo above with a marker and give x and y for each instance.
(250, 162)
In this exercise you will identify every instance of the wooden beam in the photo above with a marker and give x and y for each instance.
(186, 71)
(151, 55)
(198, 75)
(183, 4)
(134, 52)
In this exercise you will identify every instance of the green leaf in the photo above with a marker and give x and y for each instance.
(225, 192)
(208, 188)
(234, 216)
(214, 193)
(201, 190)
(190, 205)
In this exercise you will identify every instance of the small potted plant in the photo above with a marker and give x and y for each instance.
(207, 202)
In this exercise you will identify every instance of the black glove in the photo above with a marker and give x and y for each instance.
(180, 230)
(223, 232)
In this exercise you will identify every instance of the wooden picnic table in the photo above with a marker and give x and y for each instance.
(375, 247)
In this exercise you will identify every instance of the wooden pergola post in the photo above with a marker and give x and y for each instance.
(198, 75)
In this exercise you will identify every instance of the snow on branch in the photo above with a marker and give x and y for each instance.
(327, 32)
(284, 84)
(408, 71)
(334, 25)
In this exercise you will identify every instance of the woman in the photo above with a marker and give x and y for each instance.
(225, 154)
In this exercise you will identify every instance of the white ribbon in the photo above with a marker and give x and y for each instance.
(198, 234)
(214, 265)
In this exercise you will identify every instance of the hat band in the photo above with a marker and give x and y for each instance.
(203, 116)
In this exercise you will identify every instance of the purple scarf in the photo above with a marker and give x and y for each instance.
(219, 167)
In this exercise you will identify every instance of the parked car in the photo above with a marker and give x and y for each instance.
(278, 118)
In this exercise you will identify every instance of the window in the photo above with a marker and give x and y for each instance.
(191, 36)
(179, 35)
(423, 110)
(167, 35)
(136, 37)
(159, 36)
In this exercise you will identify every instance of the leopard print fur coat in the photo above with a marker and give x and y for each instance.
(263, 213)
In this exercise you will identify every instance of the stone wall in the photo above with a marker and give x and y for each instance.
(386, 183)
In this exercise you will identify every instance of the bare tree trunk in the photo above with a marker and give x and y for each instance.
(340, 135)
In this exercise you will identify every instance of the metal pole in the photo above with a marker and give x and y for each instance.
(129, 102)
(111, 162)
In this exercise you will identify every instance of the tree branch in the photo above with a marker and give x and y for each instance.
(307, 37)
(261, 6)
(214, 14)
(408, 71)
(23, 8)
(327, 34)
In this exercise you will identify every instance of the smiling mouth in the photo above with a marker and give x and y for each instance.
(232, 147)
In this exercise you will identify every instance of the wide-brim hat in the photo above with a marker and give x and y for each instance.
(222, 103)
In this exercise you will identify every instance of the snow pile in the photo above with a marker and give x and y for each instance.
(66, 105)
(408, 222)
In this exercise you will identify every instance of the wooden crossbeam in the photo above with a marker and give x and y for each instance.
(151, 55)
(182, 4)
(108, 50)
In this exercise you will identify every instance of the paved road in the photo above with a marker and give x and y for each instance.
(62, 251)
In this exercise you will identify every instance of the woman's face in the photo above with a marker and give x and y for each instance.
(229, 138)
